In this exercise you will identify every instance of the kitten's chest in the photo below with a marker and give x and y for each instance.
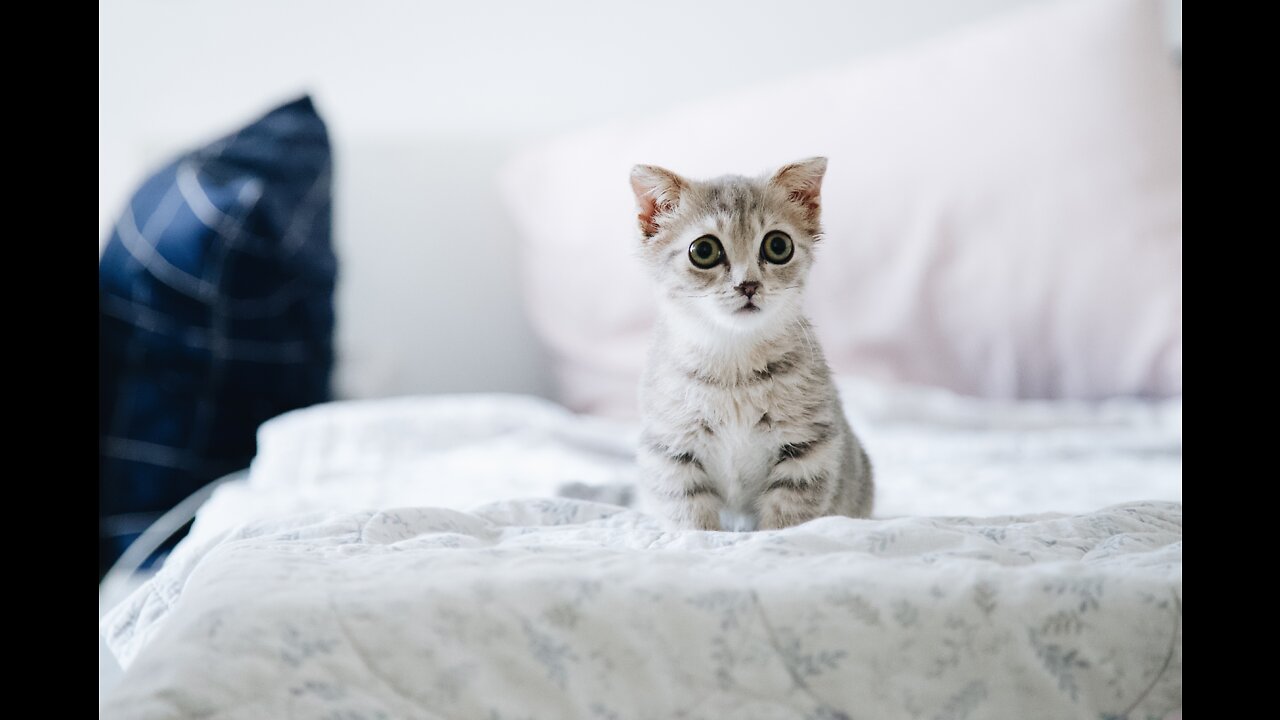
(731, 412)
(738, 434)
(737, 411)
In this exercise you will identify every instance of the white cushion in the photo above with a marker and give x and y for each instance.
(1003, 210)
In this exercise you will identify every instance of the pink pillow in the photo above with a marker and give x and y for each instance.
(1003, 212)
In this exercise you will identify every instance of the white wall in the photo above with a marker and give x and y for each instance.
(425, 100)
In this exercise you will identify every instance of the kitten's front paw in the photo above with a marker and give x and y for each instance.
(737, 521)
(782, 512)
(706, 519)
(694, 516)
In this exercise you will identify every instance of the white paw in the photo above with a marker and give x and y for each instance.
(734, 521)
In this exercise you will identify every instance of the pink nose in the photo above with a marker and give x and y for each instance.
(749, 288)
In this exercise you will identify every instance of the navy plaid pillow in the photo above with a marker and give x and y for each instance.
(215, 313)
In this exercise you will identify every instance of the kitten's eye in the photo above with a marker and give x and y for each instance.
(777, 247)
(705, 252)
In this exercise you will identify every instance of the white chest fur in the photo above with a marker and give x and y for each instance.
(737, 445)
(718, 414)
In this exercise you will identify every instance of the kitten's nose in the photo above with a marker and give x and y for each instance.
(749, 288)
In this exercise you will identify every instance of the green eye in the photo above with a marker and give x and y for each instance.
(705, 252)
(777, 247)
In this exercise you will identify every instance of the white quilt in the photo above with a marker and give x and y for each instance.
(389, 568)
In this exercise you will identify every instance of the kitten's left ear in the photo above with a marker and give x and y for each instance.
(803, 183)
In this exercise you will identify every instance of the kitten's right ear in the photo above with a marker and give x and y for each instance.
(657, 193)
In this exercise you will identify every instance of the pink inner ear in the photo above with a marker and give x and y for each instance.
(803, 183)
(648, 205)
(808, 199)
(656, 193)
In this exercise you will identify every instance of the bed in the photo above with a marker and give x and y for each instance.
(418, 558)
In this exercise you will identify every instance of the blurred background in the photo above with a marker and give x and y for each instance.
(425, 102)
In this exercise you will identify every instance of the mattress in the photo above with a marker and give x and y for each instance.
(413, 558)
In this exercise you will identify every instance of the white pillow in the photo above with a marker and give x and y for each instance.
(1003, 211)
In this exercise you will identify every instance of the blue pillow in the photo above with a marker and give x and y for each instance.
(215, 308)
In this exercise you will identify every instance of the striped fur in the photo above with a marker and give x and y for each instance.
(743, 427)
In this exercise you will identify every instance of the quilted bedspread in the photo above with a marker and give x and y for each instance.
(551, 607)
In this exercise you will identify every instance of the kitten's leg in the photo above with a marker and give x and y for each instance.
(791, 501)
(803, 482)
(679, 488)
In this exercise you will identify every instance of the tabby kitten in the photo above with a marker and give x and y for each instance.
(743, 427)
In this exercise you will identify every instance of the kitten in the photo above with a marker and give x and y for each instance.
(743, 428)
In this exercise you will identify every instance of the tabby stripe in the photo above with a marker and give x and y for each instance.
(687, 459)
(796, 451)
(778, 368)
(684, 458)
(781, 366)
(797, 484)
(686, 492)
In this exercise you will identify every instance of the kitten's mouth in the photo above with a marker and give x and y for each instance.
(750, 307)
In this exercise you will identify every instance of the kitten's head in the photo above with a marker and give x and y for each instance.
(734, 251)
